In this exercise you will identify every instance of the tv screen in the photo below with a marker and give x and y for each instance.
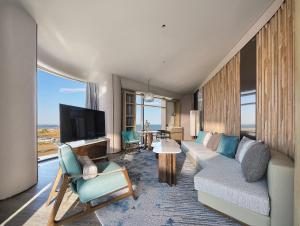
(80, 123)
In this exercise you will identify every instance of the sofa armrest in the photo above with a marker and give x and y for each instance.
(281, 189)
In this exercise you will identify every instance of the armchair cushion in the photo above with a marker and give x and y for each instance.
(130, 137)
(101, 185)
(68, 161)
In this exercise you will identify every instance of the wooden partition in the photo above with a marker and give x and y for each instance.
(275, 81)
(221, 97)
(275, 113)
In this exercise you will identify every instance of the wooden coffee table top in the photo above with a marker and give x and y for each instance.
(166, 146)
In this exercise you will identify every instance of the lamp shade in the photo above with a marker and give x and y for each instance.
(194, 122)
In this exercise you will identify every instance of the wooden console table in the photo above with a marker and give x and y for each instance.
(96, 149)
(167, 150)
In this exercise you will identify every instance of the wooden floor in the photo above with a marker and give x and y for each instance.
(24, 205)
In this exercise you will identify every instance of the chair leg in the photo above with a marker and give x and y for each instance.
(129, 184)
(53, 192)
(59, 198)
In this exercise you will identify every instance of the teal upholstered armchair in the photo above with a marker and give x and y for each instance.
(130, 139)
(110, 179)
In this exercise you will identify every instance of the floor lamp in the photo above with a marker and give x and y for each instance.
(194, 122)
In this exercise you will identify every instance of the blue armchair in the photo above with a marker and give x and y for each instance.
(112, 178)
(130, 140)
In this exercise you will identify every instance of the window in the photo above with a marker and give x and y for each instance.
(248, 113)
(154, 112)
(51, 91)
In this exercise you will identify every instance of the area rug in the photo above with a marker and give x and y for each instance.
(158, 203)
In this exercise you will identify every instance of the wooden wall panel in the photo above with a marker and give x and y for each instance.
(221, 99)
(275, 81)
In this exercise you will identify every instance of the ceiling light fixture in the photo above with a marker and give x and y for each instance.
(148, 96)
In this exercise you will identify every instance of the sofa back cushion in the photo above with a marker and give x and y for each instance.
(255, 162)
(68, 160)
(228, 146)
(200, 137)
(214, 141)
(243, 147)
(206, 139)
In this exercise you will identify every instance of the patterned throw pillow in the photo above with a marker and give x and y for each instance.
(200, 137)
(228, 146)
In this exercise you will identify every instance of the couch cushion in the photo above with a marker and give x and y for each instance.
(200, 137)
(255, 162)
(228, 146)
(243, 147)
(224, 179)
(214, 141)
(201, 154)
(206, 139)
(103, 184)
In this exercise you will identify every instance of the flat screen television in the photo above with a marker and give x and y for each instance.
(78, 123)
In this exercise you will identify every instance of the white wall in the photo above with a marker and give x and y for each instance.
(18, 152)
(117, 115)
(110, 102)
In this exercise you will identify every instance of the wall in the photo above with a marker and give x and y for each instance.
(18, 151)
(297, 113)
(107, 94)
(117, 112)
(186, 104)
(221, 99)
(275, 82)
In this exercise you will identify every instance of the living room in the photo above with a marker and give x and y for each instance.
(166, 113)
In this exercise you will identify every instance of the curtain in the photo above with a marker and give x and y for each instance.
(92, 96)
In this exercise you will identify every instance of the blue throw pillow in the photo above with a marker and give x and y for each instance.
(228, 146)
(200, 137)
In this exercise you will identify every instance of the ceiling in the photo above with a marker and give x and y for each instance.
(125, 37)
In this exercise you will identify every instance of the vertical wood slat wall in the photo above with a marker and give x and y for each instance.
(275, 82)
(221, 99)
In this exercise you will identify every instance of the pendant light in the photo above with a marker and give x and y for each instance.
(148, 96)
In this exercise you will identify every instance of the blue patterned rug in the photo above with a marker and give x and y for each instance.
(157, 203)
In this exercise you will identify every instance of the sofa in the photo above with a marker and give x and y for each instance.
(221, 185)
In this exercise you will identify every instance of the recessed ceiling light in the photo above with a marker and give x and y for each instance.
(163, 26)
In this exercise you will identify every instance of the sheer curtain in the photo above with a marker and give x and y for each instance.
(92, 96)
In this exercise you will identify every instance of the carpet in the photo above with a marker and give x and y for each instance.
(157, 203)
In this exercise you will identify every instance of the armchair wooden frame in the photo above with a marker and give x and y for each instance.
(53, 193)
(88, 207)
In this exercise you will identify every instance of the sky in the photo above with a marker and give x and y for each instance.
(53, 90)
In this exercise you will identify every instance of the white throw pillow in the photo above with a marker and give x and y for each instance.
(244, 149)
(206, 138)
(244, 145)
(89, 169)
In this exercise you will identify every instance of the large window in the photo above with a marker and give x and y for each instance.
(153, 112)
(51, 91)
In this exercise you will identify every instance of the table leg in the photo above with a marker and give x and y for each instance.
(167, 168)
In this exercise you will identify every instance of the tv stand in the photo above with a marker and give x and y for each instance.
(96, 149)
